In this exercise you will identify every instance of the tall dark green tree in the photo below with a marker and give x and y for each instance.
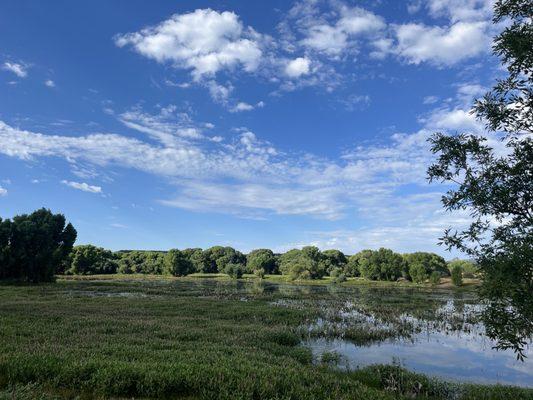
(497, 188)
(36, 245)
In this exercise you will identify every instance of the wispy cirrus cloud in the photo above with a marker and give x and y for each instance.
(245, 176)
(20, 69)
(84, 187)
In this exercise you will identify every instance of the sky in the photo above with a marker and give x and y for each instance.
(279, 124)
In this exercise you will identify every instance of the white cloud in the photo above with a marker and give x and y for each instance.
(19, 69)
(335, 37)
(430, 99)
(419, 43)
(461, 10)
(297, 67)
(248, 177)
(452, 120)
(254, 200)
(50, 83)
(203, 41)
(242, 106)
(83, 186)
(169, 126)
(3, 192)
(219, 93)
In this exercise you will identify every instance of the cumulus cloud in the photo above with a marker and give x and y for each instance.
(338, 35)
(297, 67)
(467, 35)
(19, 69)
(419, 43)
(50, 83)
(83, 186)
(3, 192)
(204, 41)
(461, 10)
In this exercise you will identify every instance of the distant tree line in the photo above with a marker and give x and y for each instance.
(298, 264)
(35, 247)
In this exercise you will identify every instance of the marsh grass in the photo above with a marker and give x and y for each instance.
(180, 338)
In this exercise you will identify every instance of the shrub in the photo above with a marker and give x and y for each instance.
(259, 272)
(337, 275)
(418, 273)
(434, 278)
(234, 271)
(457, 276)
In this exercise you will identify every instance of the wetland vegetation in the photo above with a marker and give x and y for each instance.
(151, 336)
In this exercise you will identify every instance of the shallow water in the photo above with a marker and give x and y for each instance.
(439, 333)
(460, 353)
(459, 357)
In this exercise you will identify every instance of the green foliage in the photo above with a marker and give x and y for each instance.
(307, 263)
(418, 272)
(357, 260)
(420, 265)
(338, 275)
(177, 264)
(216, 258)
(198, 258)
(383, 264)
(469, 268)
(334, 259)
(457, 276)
(234, 271)
(141, 262)
(497, 186)
(434, 278)
(33, 246)
(262, 260)
(90, 260)
(352, 266)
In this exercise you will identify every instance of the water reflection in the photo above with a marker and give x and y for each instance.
(461, 357)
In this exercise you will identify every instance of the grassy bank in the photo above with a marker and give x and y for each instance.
(183, 338)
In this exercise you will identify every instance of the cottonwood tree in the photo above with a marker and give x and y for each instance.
(33, 246)
(496, 186)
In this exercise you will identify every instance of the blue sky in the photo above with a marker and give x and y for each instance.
(274, 124)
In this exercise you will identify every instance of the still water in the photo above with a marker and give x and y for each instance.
(459, 356)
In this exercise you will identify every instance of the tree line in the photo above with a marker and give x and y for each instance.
(35, 247)
(298, 264)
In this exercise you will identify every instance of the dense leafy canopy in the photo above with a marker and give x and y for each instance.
(496, 185)
(33, 246)
(141, 262)
(262, 260)
(177, 264)
(89, 260)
